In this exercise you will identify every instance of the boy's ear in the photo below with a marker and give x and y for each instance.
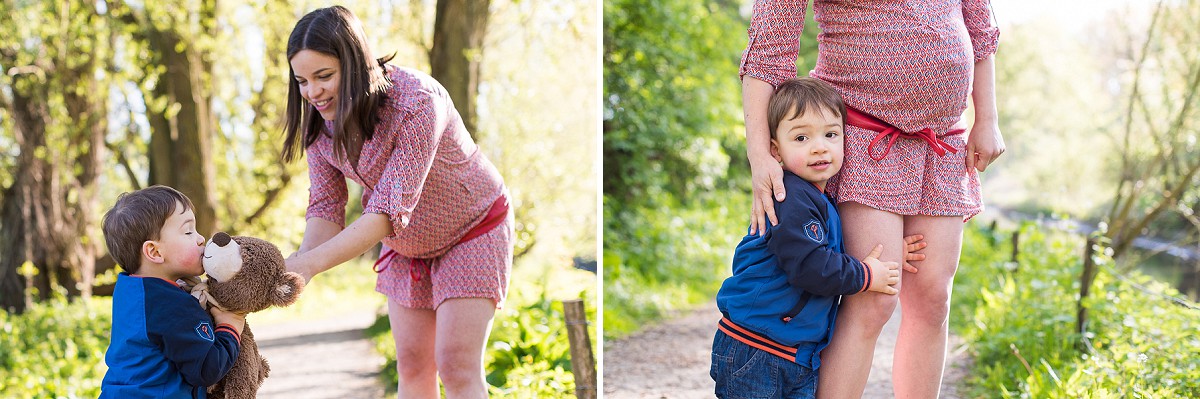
(150, 251)
(775, 151)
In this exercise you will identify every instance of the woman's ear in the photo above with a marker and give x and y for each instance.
(150, 251)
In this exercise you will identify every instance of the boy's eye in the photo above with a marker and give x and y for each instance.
(801, 138)
(831, 134)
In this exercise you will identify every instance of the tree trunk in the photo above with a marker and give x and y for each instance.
(182, 129)
(458, 32)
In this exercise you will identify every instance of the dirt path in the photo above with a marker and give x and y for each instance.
(671, 360)
(316, 359)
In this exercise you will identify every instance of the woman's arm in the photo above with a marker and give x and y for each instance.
(357, 238)
(985, 143)
(770, 58)
(317, 232)
(766, 174)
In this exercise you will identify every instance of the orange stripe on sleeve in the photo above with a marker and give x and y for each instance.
(229, 328)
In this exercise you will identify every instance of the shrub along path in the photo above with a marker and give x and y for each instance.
(671, 360)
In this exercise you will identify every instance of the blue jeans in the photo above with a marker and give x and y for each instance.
(743, 371)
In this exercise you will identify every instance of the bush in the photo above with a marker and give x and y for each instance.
(663, 258)
(55, 350)
(1021, 323)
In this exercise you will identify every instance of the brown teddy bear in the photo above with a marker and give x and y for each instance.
(245, 274)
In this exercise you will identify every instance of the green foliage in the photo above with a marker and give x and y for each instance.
(56, 349)
(668, 257)
(671, 96)
(673, 163)
(1021, 323)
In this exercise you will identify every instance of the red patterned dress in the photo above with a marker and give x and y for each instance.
(424, 172)
(907, 63)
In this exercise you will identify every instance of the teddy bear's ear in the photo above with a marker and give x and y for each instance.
(287, 289)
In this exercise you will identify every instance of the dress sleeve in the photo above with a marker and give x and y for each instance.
(404, 176)
(774, 43)
(327, 194)
(985, 35)
(801, 247)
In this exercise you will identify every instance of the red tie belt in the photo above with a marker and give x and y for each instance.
(496, 215)
(891, 133)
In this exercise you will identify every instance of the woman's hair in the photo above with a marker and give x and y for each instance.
(797, 97)
(336, 32)
(138, 217)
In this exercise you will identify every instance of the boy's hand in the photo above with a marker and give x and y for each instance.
(912, 244)
(238, 321)
(884, 275)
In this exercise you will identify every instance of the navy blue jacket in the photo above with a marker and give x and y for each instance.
(164, 345)
(786, 283)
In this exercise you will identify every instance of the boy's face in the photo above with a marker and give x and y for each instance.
(179, 246)
(319, 76)
(810, 145)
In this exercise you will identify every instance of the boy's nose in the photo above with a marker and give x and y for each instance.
(221, 239)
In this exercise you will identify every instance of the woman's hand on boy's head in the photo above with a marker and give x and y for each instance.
(912, 244)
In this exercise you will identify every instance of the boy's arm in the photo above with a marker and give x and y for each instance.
(802, 251)
(203, 352)
(799, 246)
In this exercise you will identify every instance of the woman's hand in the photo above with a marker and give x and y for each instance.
(767, 180)
(297, 263)
(766, 176)
(984, 145)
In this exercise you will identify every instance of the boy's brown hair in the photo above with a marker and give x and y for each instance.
(799, 96)
(138, 217)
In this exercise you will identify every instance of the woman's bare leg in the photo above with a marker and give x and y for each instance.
(463, 325)
(846, 362)
(413, 331)
(925, 308)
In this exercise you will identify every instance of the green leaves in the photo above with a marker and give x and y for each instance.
(1143, 346)
(56, 349)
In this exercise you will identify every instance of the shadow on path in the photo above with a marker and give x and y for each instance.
(318, 359)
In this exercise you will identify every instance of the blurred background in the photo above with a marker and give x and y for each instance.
(103, 97)
(1098, 105)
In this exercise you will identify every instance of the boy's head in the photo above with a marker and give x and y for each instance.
(806, 118)
(152, 231)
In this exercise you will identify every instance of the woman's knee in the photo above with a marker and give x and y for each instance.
(929, 307)
(458, 368)
(871, 310)
(413, 363)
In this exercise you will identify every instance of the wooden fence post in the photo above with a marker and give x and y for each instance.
(583, 366)
(1085, 285)
(1016, 249)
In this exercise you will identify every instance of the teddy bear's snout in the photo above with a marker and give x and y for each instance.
(221, 239)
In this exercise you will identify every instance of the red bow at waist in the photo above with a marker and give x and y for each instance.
(496, 215)
(891, 133)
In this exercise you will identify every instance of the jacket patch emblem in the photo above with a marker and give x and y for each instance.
(814, 231)
(204, 330)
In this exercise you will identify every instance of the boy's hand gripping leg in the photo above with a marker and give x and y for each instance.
(912, 244)
(884, 275)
